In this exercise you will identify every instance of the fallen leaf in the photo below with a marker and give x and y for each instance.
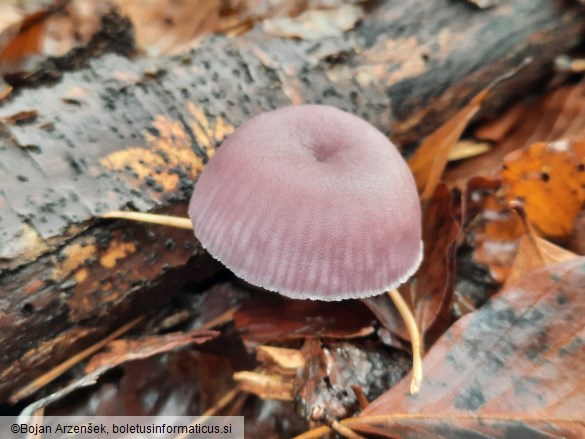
(578, 239)
(10, 22)
(549, 181)
(534, 253)
(432, 292)
(557, 115)
(274, 318)
(513, 367)
(28, 40)
(165, 27)
(430, 158)
(122, 351)
(5, 90)
(498, 129)
(315, 24)
(496, 235)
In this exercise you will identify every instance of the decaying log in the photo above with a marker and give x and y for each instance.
(135, 135)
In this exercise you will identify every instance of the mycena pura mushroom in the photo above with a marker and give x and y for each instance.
(313, 203)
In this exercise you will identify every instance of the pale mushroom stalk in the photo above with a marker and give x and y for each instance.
(415, 339)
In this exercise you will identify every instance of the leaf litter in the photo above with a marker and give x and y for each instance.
(515, 366)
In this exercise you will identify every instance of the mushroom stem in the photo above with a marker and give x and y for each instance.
(163, 220)
(415, 339)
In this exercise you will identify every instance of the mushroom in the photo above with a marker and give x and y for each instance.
(313, 203)
(310, 202)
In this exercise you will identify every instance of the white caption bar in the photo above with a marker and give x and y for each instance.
(121, 427)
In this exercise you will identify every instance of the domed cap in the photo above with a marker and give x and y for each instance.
(310, 202)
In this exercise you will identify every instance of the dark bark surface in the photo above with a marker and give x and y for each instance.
(135, 135)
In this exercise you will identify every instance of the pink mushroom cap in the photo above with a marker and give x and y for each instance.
(311, 202)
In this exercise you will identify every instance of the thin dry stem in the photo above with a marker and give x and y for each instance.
(57, 371)
(345, 431)
(415, 339)
(213, 410)
(163, 220)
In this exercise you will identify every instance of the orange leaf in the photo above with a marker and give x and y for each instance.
(496, 236)
(549, 179)
(429, 160)
(29, 39)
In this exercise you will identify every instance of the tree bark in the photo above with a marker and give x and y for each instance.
(124, 134)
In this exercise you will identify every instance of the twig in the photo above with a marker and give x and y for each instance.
(163, 220)
(219, 405)
(361, 396)
(57, 371)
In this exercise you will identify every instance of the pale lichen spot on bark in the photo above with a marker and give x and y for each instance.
(30, 244)
(144, 163)
(208, 136)
(116, 250)
(72, 257)
(80, 275)
(170, 149)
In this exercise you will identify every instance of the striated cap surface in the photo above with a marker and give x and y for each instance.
(311, 202)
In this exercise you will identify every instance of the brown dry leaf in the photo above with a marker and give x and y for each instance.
(560, 114)
(496, 236)
(500, 128)
(165, 27)
(122, 351)
(514, 367)
(270, 317)
(27, 40)
(577, 243)
(432, 291)
(549, 181)
(5, 90)
(534, 253)
(10, 21)
(315, 25)
(429, 160)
